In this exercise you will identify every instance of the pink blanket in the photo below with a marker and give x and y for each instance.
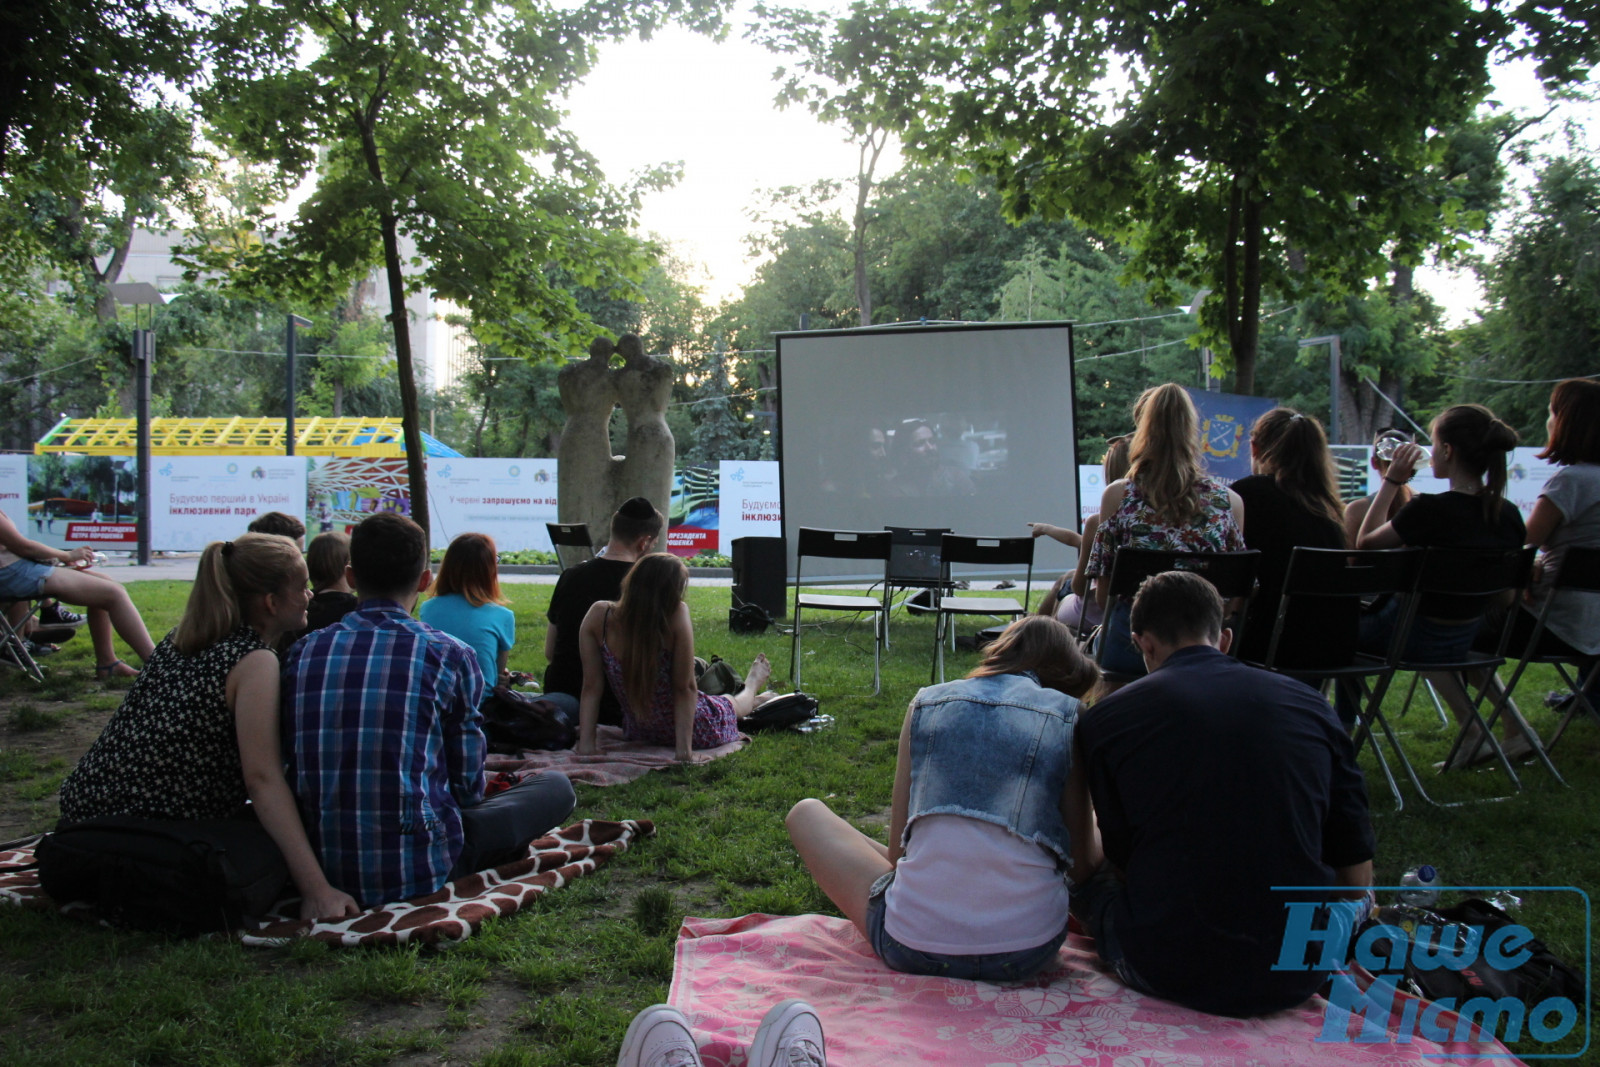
(618, 763)
(730, 971)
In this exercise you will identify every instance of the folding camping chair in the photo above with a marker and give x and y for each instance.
(842, 544)
(1579, 573)
(570, 535)
(13, 645)
(1232, 573)
(980, 551)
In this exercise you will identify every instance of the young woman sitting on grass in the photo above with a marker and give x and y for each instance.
(197, 735)
(25, 575)
(988, 807)
(466, 604)
(644, 644)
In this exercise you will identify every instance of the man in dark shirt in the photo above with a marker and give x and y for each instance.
(1213, 783)
(635, 529)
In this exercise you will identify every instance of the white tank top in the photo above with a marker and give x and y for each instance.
(966, 887)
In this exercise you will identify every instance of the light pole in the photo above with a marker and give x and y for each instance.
(1332, 341)
(1207, 382)
(136, 294)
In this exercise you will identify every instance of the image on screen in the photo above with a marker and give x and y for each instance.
(968, 428)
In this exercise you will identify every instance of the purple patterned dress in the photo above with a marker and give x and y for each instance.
(714, 721)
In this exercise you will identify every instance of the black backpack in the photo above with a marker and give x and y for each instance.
(176, 877)
(523, 722)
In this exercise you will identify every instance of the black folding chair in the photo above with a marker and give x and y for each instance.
(570, 535)
(842, 544)
(1579, 573)
(1485, 576)
(983, 552)
(1232, 573)
(1335, 573)
(13, 644)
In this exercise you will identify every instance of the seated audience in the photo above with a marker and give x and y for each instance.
(1469, 451)
(385, 743)
(1355, 512)
(984, 809)
(24, 575)
(1065, 600)
(276, 522)
(327, 560)
(466, 604)
(1166, 502)
(198, 735)
(643, 643)
(635, 528)
(1212, 783)
(1291, 499)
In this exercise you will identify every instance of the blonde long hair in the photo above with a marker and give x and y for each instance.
(1164, 460)
(230, 573)
(651, 593)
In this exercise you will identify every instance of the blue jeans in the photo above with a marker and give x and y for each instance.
(566, 704)
(992, 967)
(23, 579)
(1430, 641)
(499, 828)
(1094, 902)
(1121, 655)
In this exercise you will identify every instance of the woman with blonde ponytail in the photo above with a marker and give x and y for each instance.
(643, 644)
(197, 735)
(1165, 502)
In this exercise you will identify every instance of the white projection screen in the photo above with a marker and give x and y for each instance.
(969, 427)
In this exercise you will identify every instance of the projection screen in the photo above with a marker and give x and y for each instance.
(969, 427)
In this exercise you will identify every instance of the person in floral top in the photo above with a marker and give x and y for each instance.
(1166, 502)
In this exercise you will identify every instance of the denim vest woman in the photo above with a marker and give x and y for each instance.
(996, 748)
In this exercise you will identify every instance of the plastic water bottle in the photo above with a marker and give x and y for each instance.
(1421, 887)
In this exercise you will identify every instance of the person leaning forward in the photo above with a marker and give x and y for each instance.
(1212, 783)
(385, 744)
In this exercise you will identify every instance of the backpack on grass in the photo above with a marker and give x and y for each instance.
(781, 713)
(524, 722)
(177, 877)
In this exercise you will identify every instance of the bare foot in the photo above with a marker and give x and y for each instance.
(760, 672)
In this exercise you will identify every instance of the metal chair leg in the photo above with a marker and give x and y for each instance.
(794, 650)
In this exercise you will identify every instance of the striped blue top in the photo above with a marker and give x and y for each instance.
(383, 744)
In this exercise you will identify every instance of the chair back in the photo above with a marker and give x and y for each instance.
(1579, 570)
(990, 552)
(569, 535)
(915, 557)
(1232, 573)
(1478, 577)
(1339, 572)
(840, 544)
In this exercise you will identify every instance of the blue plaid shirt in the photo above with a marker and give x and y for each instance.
(384, 744)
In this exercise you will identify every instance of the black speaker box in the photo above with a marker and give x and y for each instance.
(758, 574)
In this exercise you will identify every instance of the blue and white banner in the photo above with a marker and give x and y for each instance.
(1225, 421)
(195, 500)
(14, 491)
(749, 504)
(508, 499)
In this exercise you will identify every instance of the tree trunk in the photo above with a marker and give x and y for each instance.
(870, 149)
(338, 398)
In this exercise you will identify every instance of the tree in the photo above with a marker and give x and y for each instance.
(437, 122)
(1214, 138)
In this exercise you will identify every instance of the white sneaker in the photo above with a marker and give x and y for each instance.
(789, 1036)
(659, 1037)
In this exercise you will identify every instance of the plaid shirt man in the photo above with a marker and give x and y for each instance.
(384, 744)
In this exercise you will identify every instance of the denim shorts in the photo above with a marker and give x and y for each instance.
(23, 579)
(992, 967)
(1094, 901)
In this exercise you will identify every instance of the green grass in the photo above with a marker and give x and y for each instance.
(558, 983)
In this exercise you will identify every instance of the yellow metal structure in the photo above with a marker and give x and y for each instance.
(227, 437)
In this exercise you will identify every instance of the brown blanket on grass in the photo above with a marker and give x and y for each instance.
(453, 913)
(618, 762)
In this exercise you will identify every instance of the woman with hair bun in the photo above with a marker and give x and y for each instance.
(197, 735)
(989, 813)
(1469, 451)
(1291, 499)
(1166, 502)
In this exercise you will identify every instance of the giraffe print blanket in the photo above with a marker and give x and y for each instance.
(453, 913)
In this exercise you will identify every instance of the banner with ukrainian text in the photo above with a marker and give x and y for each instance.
(749, 505)
(195, 500)
(508, 499)
(14, 491)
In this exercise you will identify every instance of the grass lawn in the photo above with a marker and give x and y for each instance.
(558, 983)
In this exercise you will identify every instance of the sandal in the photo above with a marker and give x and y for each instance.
(107, 671)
